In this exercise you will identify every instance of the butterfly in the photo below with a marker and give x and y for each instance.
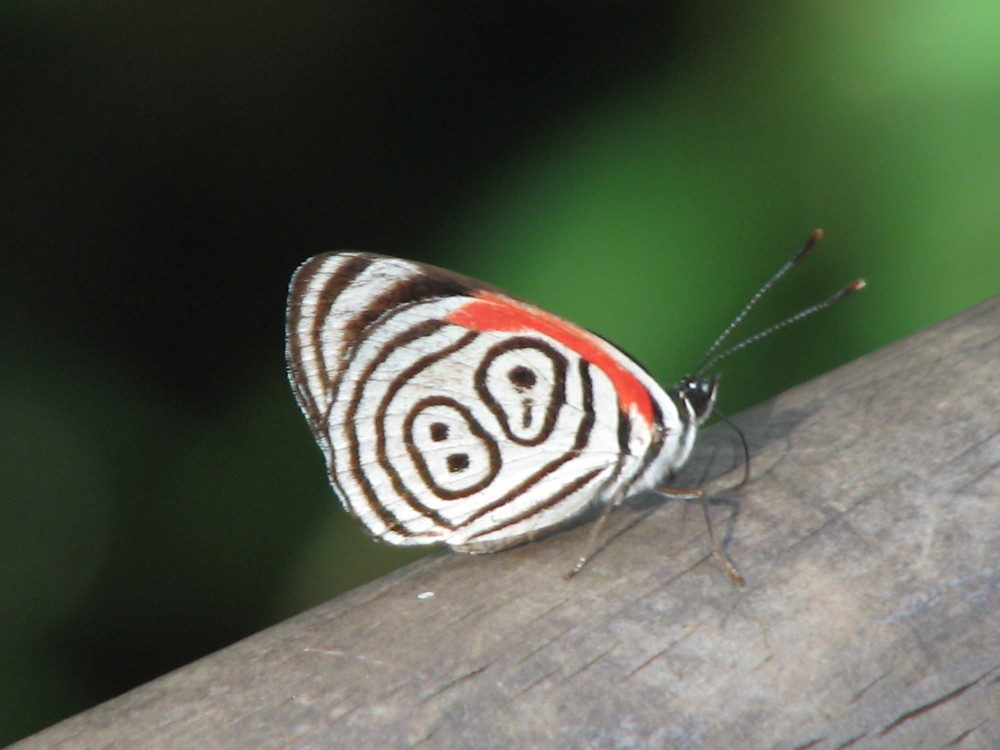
(451, 412)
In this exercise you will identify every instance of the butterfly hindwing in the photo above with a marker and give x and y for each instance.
(451, 412)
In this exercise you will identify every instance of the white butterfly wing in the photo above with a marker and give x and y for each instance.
(438, 429)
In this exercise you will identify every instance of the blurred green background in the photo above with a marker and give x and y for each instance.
(636, 167)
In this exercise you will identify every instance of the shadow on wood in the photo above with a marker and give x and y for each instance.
(869, 535)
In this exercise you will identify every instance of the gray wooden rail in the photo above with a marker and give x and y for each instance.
(869, 536)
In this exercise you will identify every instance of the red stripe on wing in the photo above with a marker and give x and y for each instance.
(491, 312)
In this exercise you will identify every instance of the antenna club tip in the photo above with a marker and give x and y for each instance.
(856, 286)
(815, 237)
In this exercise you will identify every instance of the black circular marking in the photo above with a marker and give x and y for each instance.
(523, 378)
(458, 462)
(439, 432)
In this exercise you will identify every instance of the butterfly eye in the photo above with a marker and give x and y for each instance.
(699, 395)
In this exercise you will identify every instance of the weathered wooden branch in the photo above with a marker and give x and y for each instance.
(869, 535)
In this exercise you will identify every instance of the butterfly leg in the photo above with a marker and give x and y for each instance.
(595, 530)
(717, 551)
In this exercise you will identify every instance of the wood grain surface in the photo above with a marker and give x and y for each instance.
(869, 536)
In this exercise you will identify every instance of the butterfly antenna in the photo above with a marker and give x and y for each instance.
(709, 361)
(854, 286)
(810, 243)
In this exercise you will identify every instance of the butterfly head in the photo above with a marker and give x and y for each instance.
(696, 397)
(682, 411)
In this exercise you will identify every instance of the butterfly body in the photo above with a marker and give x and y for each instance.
(451, 412)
